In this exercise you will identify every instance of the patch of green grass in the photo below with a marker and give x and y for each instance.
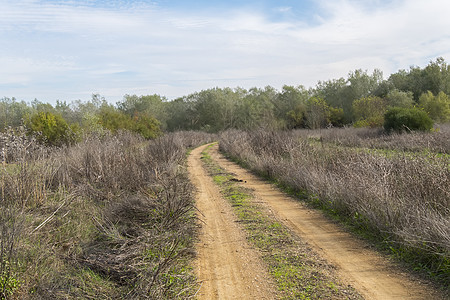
(296, 270)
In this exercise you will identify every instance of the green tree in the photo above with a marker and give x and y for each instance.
(290, 106)
(342, 92)
(397, 98)
(257, 108)
(337, 117)
(12, 112)
(112, 119)
(437, 107)
(435, 77)
(146, 126)
(369, 111)
(153, 106)
(179, 115)
(317, 113)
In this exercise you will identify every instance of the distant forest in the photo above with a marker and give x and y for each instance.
(361, 100)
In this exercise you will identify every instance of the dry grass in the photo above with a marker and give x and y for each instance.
(402, 198)
(438, 142)
(111, 217)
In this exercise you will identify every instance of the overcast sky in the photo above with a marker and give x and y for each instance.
(67, 49)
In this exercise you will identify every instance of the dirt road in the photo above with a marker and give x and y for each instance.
(222, 245)
(227, 267)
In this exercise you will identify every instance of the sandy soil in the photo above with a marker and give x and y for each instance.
(227, 267)
(372, 275)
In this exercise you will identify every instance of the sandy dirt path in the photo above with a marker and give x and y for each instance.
(371, 274)
(227, 267)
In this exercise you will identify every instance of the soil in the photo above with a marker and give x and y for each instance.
(229, 268)
(226, 266)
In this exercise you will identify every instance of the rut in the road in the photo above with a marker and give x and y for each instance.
(227, 267)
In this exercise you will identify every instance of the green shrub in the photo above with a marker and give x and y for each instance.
(53, 129)
(407, 119)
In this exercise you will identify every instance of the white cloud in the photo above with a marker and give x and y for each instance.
(284, 9)
(67, 51)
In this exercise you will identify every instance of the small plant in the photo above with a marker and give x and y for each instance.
(8, 284)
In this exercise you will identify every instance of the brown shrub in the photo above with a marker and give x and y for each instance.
(401, 193)
(110, 217)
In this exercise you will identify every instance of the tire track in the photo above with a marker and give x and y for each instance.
(227, 267)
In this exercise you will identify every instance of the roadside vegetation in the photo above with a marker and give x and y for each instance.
(400, 198)
(95, 202)
(110, 217)
(298, 272)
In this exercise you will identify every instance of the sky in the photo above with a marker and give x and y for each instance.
(68, 50)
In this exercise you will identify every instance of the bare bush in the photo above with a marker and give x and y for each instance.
(403, 194)
(110, 217)
(16, 146)
(438, 141)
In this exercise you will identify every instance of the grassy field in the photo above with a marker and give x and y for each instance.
(393, 189)
(111, 217)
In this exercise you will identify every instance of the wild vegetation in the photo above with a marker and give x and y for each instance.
(110, 217)
(95, 202)
(399, 197)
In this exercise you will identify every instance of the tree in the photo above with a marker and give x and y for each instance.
(435, 77)
(149, 106)
(369, 111)
(317, 113)
(437, 107)
(342, 92)
(397, 98)
(12, 112)
(256, 109)
(337, 117)
(146, 126)
(179, 115)
(290, 106)
(114, 120)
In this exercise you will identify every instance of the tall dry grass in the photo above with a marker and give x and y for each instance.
(402, 196)
(110, 217)
(377, 139)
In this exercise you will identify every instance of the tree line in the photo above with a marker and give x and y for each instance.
(362, 99)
